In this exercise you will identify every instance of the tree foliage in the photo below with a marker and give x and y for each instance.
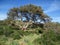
(28, 13)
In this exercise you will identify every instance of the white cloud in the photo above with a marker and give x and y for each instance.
(3, 16)
(56, 19)
(53, 7)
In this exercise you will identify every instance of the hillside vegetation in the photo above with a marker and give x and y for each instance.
(12, 36)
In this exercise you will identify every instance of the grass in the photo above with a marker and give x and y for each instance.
(28, 40)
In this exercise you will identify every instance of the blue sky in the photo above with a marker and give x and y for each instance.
(50, 7)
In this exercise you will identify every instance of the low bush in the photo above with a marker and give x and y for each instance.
(3, 40)
(15, 35)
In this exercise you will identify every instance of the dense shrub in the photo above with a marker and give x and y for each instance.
(37, 41)
(38, 30)
(3, 40)
(15, 35)
(49, 37)
(14, 42)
